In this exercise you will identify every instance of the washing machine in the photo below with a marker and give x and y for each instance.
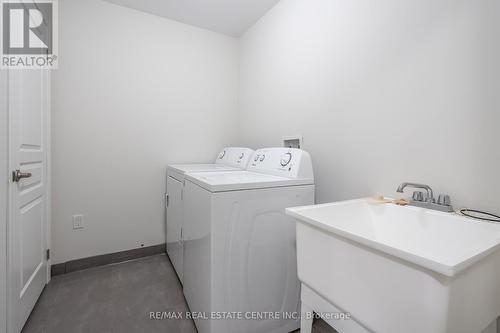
(229, 159)
(240, 266)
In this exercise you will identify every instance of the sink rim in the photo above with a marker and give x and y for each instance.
(449, 270)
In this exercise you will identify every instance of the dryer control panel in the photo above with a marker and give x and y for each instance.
(285, 162)
(235, 157)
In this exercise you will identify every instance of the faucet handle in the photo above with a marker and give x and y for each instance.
(418, 196)
(444, 200)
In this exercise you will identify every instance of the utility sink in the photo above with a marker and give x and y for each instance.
(399, 269)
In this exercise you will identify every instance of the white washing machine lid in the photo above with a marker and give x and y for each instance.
(241, 180)
(185, 168)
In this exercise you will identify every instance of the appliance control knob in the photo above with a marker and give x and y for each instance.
(285, 159)
(262, 158)
(256, 158)
(222, 154)
(242, 155)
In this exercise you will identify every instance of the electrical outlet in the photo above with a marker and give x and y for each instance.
(77, 222)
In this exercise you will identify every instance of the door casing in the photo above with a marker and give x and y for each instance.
(4, 136)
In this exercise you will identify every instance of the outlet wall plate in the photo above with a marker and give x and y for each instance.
(293, 141)
(78, 221)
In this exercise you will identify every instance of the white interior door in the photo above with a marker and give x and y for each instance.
(27, 225)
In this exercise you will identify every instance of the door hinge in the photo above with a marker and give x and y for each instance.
(166, 199)
(48, 254)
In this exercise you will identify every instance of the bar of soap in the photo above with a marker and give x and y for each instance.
(401, 202)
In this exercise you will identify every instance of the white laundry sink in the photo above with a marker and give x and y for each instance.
(400, 269)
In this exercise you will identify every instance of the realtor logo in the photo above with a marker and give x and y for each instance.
(28, 34)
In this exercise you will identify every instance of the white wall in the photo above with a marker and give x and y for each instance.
(133, 93)
(382, 91)
(3, 197)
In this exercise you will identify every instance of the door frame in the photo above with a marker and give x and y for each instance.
(5, 186)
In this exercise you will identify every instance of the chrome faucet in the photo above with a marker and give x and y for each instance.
(430, 193)
(443, 204)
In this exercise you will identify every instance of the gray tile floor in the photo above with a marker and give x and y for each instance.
(116, 298)
(113, 298)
